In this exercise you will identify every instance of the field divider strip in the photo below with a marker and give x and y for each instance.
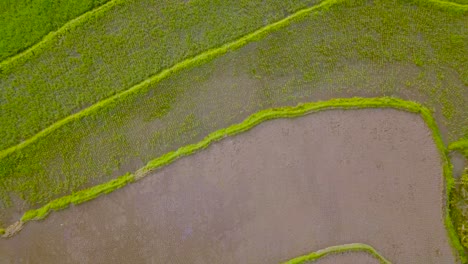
(187, 63)
(461, 146)
(273, 113)
(19, 58)
(346, 248)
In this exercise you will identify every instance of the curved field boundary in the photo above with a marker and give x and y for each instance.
(248, 123)
(346, 248)
(9, 63)
(190, 62)
(445, 5)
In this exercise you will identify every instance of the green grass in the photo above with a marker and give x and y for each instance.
(459, 196)
(460, 145)
(105, 52)
(24, 23)
(252, 121)
(77, 198)
(346, 248)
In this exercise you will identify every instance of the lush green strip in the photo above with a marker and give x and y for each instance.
(191, 62)
(444, 5)
(339, 249)
(461, 145)
(253, 120)
(77, 198)
(11, 62)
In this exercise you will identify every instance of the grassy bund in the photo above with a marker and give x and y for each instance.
(354, 247)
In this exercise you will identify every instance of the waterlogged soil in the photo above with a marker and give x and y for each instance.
(346, 258)
(283, 189)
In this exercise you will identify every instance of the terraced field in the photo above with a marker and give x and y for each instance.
(132, 80)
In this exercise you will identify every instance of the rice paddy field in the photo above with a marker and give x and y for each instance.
(97, 95)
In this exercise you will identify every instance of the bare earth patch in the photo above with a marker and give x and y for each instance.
(283, 189)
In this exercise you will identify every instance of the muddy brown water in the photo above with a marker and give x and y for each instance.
(283, 189)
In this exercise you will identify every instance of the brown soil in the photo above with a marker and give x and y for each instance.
(283, 189)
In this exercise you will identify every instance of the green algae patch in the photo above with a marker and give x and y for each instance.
(354, 247)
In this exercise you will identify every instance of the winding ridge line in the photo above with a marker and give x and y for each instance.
(353, 247)
(248, 123)
(14, 60)
(190, 62)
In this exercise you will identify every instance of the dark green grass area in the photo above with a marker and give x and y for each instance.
(117, 49)
(24, 22)
(411, 50)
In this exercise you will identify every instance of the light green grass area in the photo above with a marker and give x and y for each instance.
(248, 123)
(110, 51)
(347, 248)
(25, 22)
(352, 48)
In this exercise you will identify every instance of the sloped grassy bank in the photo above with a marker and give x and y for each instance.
(253, 120)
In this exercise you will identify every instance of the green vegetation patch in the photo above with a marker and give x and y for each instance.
(25, 22)
(77, 198)
(346, 248)
(461, 145)
(114, 48)
(459, 196)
